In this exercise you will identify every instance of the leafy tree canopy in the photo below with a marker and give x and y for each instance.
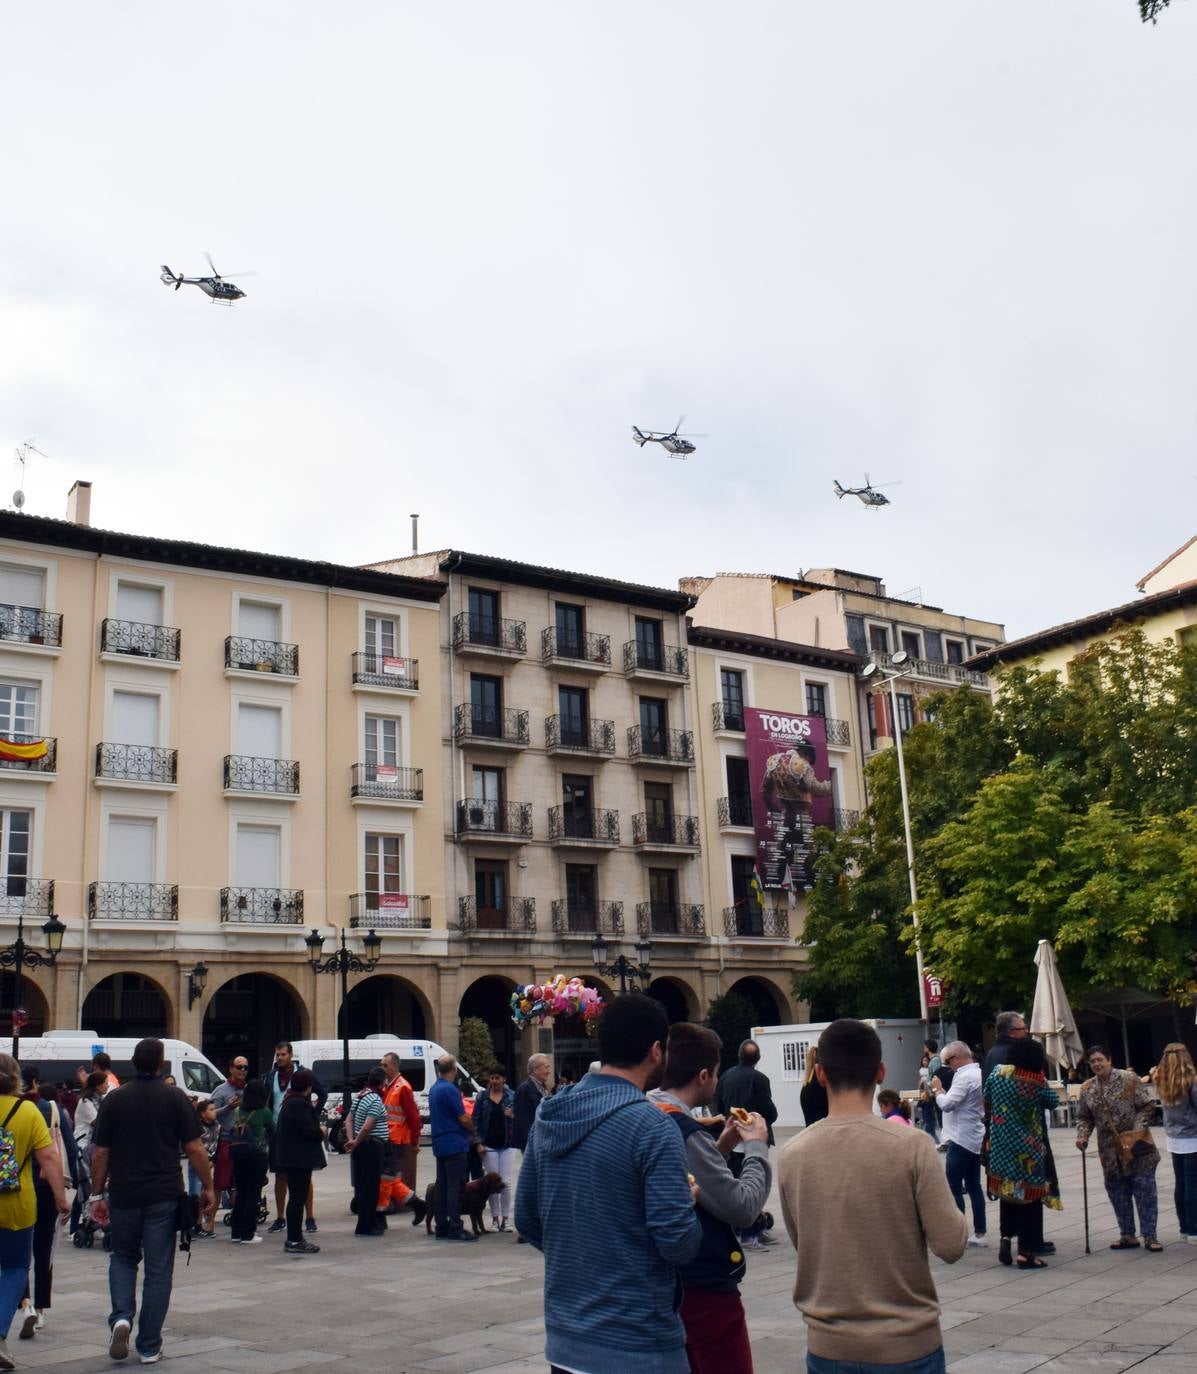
(475, 1047)
(732, 1018)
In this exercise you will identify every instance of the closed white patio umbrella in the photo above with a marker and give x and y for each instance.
(1052, 1020)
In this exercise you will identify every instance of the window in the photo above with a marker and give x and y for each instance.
(133, 718)
(486, 785)
(739, 796)
(484, 616)
(257, 856)
(905, 711)
(570, 630)
(745, 901)
(879, 638)
(16, 828)
(259, 731)
(912, 644)
(955, 650)
(258, 620)
(658, 812)
(18, 710)
(486, 705)
(132, 849)
(654, 726)
(871, 711)
(382, 636)
(793, 1060)
(731, 685)
(571, 702)
(648, 643)
(816, 699)
(382, 742)
(490, 894)
(22, 586)
(581, 899)
(383, 869)
(662, 894)
(142, 605)
(577, 807)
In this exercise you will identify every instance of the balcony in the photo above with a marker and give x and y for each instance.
(32, 898)
(727, 719)
(500, 822)
(586, 653)
(589, 739)
(587, 918)
(684, 919)
(262, 777)
(242, 655)
(133, 901)
(504, 728)
(142, 764)
(389, 911)
(668, 835)
(386, 673)
(671, 748)
(846, 820)
(735, 813)
(665, 663)
(131, 639)
(949, 674)
(385, 782)
(570, 829)
(44, 767)
(517, 916)
(29, 625)
(261, 906)
(485, 636)
(839, 733)
(748, 921)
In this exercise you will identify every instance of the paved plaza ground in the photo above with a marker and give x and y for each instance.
(407, 1304)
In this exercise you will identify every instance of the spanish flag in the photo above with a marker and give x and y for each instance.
(9, 749)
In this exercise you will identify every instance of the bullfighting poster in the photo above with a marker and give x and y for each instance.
(791, 793)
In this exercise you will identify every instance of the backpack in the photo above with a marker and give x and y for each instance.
(10, 1165)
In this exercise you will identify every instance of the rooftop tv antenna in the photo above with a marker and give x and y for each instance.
(23, 452)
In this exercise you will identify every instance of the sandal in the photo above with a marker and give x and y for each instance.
(1032, 1262)
(1152, 1246)
(1125, 1243)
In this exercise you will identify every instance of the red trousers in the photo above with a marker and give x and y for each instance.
(716, 1332)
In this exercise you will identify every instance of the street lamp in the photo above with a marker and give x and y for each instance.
(17, 955)
(344, 962)
(870, 673)
(197, 980)
(623, 968)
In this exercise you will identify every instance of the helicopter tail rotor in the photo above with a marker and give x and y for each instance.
(638, 438)
(839, 491)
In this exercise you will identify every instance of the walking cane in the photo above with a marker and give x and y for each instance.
(1085, 1191)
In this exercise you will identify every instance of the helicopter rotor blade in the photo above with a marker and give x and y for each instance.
(212, 265)
(878, 486)
(227, 275)
(681, 420)
(690, 434)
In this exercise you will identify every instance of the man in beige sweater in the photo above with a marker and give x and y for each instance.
(863, 1199)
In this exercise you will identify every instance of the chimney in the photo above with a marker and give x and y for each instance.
(415, 537)
(79, 504)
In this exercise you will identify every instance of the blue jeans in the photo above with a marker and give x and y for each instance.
(964, 1175)
(928, 1364)
(450, 1179)
(136, 1231)
(1184, 1167)
(16, 1249)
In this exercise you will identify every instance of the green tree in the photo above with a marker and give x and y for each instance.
(732, 1018)
(475, 1047)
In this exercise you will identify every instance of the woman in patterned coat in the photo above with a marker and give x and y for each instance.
(1018, 1174)
(1113, 1101)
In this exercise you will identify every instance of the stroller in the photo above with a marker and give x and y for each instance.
(226, 1200)
(86, 1232)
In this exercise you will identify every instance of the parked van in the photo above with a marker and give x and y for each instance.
(324, 1058)
(59, 1053)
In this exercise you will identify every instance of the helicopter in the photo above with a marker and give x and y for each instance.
(672, 442)
(870, 496)
(215, 286)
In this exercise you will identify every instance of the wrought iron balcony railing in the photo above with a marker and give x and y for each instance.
(587, 918)
(382, 670)
(932, 669)
(585, 648)
(261, 656)
(245, 773)
(491, 725)
(599, 825)
(503, 820)
(736, 810)
(137, 763)
(133, 901)
(667, 659)
(389, 911)
(387, 782)
(584, 737)
(725, 716)
(488, 632)
(517, 914)
(48, 763)
(138, 640)
(269, 906)
(752, 922)
(846, 820)
(678, 832)
(671, 918)
(31, 897)
(660, 746)
(28, 625)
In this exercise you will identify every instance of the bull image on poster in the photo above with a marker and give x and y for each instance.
(791, 793)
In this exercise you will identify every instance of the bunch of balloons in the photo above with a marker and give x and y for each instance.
(557, 996)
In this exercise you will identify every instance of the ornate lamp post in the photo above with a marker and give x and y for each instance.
(197, 980)
(343, 961)
(18, 955)
(625, 969)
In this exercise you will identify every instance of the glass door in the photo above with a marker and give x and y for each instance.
(490, 894)
(750, 915)
(486, 706)
(571, 702)
(486, 798)
(569, 631)
(581, 899)
(484, 616)
(662, 899)
(658, 812)
(648, 643)
(577, 810)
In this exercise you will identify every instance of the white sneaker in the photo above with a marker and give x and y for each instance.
(253, 1240)
(152, 1359)
(28, 1324)
(6, 1360)
(751, 1243)
(118, 1346)
(1191, 1240)
(979, 1241)
(40, 1324)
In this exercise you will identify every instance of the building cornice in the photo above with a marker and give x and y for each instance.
(569, 583)
(758, 646)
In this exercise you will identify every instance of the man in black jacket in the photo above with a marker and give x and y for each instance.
(528, 1097)
(276, 1082)
(745, 1086)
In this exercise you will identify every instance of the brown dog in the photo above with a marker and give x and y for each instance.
(473, 1201)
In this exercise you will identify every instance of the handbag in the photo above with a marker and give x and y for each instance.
(1134, 1145)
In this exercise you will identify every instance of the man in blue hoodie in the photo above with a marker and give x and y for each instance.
(604, 1193)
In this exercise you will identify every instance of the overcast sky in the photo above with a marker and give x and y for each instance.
(947, 244)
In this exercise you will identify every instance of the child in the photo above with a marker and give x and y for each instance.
(892, 1108)
(205, 1224)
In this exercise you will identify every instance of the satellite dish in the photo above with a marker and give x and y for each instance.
(18, 499)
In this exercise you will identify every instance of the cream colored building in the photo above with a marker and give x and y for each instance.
(241, 747)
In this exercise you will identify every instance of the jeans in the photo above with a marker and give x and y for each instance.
(365, 1168)
(15, 1250)
(928, 1120)
(964, 1175)
(44, 1229)
(298, 1183)
(139, 1232)
(928, 1364)
(1139, 1188)
(450, 1179)
(1185, 1195)
(249, 1177)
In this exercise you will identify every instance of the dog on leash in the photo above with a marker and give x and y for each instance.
(473, 1201)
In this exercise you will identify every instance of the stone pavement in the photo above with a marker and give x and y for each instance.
(406, 1304)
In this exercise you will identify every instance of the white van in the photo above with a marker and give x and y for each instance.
(59, 1053)
(324, 1058)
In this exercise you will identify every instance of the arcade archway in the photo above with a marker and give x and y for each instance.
(678, 1000)
(126, 1004)
(767, 1004)
(489, 999)
(385, 1005)
(33, 1000)
(249, 1015)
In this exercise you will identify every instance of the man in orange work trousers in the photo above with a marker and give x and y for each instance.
(403, 1128)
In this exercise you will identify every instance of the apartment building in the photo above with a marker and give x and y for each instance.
(239, 748)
